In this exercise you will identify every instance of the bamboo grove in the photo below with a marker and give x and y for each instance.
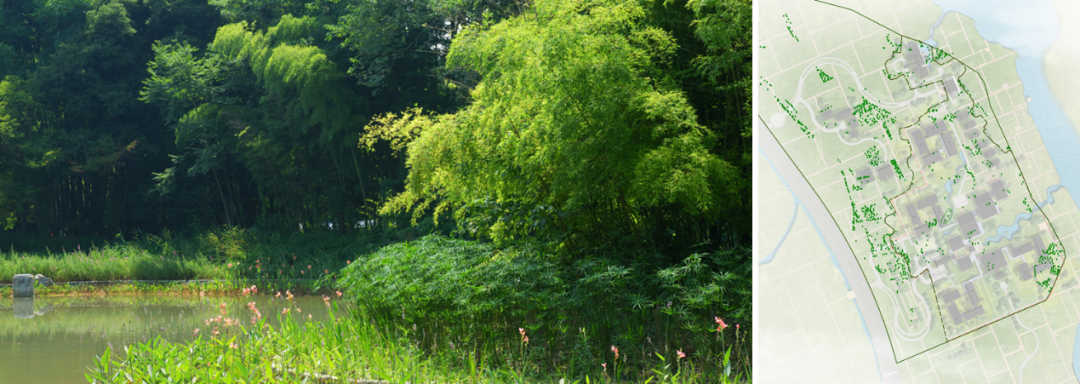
(579, 123)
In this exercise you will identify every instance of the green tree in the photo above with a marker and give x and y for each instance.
(572, 125)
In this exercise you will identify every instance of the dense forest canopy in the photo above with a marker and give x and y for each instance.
(579, 123)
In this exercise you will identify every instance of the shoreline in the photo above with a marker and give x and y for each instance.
(215, 287)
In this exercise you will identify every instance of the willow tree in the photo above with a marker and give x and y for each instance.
(572, 134)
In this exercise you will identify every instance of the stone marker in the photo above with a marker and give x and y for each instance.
(23, 285)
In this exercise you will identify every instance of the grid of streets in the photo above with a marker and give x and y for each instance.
(927, 159)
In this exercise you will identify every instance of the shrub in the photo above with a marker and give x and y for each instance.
(470, 290)
(444, 292)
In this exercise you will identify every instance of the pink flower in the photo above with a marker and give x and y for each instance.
(526, 339)
(230, 265)
(681, 354)
(338, 293)
(605, 366)
(285, 311)
(233, 346)
(722, 325)
(616, 350)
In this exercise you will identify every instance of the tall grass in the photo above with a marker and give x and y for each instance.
(229, 253)
(343, 349)
(113, 262)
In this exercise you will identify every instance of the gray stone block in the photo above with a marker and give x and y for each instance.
(23, 285)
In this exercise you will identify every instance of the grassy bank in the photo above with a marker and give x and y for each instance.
(438, 309)
(343, 349)
(176, 288)
(225, 254)
(537, 313)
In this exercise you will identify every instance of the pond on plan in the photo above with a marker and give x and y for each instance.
(54, 339)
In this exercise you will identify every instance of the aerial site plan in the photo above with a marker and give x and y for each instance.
(915, 167)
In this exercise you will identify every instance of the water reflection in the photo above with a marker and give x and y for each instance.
(24, 308)
(53, 340)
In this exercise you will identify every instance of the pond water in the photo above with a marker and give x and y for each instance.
(53, 340)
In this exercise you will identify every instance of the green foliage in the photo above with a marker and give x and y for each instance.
(114, 262)
(453, 282)
(289, 352)
(723, 26)
(566, 114)
(230, 245)
(475, 296)
(178, 78)
(596, 142)
(227, 253)
(343, 348)
(270, 106)
(398, 130)
(110, 18)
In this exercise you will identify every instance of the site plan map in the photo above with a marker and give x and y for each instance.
(915, 164)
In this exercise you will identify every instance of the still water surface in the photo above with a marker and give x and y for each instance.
(53, 340)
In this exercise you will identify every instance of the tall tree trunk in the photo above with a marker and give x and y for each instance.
(228, 219)
(232, 198)
(363, 191)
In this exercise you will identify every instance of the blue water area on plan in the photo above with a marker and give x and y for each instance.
(1008, 232)
(1029, 28)
(1076, 351)
(794, 215)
